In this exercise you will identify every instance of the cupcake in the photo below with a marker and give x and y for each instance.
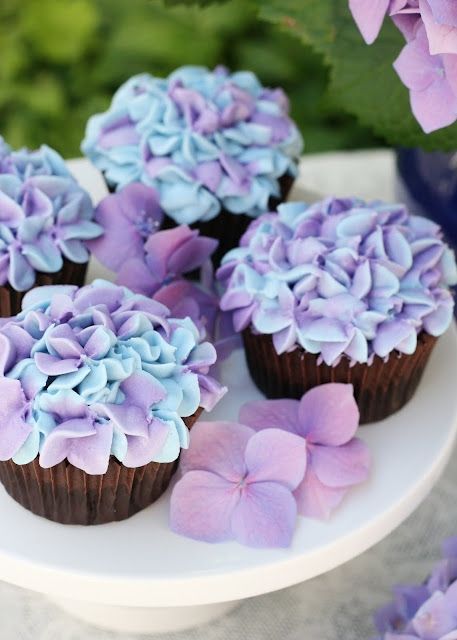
(219, 148)
(45, 220)
(340, 291)
(98, 390)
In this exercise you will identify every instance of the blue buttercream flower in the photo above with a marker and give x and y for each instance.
(99, 371)
(341, 277)
(205, 140)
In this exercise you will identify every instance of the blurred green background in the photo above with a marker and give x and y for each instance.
(61, 60)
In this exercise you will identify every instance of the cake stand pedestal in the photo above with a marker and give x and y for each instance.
(137, 576)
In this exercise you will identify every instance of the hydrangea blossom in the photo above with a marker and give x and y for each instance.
(428, 63)
(99, 371)
(247, 481)
(341, 277)
(326, 418)
(234, 488)
(45, 216)
(427, 611)
(204, 139)
(152, 262)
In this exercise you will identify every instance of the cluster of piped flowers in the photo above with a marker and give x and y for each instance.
(45, 216)
(97, 372)
(204, 139)
(247, 481)
(153, 262)
(341, 277)
(426, 611)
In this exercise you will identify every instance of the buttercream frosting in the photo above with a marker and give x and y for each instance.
(45, 216)
(204, 139)
(341, 277)
(99, 371)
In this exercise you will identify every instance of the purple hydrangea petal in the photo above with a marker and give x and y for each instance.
(137, 276)
(271, 414)
(328, 414)
(264, 516)
(442, 38)
(341, 466)
(217, 447)
(316, 500)
(288, 464)
(201, 506)
(127, 218)
(434, 619)
(369, 16)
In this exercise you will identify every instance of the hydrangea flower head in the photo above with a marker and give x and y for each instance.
(428, 63)
(341, 278)
(427, 611)
(247, 481)
(152, 262)
(203, 139)
(99, 371)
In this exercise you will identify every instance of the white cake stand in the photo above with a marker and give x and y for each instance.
(137, 576)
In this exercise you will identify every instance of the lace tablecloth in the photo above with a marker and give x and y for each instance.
(335, 606)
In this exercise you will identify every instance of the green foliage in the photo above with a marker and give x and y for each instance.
(61, 60)
(362, 79)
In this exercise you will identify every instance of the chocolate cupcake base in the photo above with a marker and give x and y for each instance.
(11, 300)
(380, 389)
(228, 227)
(68, 495)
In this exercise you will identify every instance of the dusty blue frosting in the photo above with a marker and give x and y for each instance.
(204, 139)
(45, 216)
(99, 371)
(341, 277)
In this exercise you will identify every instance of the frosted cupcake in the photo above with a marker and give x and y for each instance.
(340, 291)
(219, 148)
(45, 220)
(98, 390)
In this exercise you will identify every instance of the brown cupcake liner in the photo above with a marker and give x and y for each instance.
(71, 273)
(68, 495)
(380, 389)
(228, 227)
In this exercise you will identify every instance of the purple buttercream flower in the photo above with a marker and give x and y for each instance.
(205, 140)
(99, 371)
(234, 488)
(427, 611)
(13, 414)
(45, 217)
(327, 419)
(428, 63)
(340, 278)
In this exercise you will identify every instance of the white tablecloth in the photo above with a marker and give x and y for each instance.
(335, 606)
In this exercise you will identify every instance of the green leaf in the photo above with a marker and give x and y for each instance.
(362, 79)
